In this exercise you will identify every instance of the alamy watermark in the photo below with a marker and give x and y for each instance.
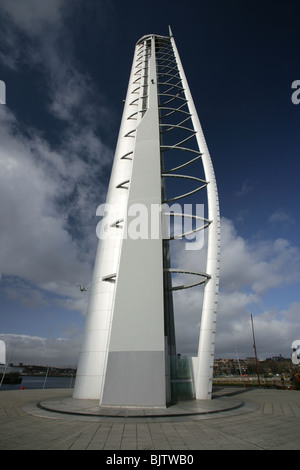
(2, 92)
(296, 351)
(296, 94)
(153, 222)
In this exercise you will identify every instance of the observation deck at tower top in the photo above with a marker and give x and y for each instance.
(148, 36)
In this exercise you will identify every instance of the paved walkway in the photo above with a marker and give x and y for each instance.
(259, 419)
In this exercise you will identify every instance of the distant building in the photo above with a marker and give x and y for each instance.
(226, 366)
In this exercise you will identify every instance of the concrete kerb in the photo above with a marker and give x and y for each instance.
(66, 407)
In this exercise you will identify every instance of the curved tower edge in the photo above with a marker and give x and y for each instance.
(205, 358)
(92, 361)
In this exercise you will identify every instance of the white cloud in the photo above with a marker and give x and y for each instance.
(49, 197)
(26, 295)
(259, 265)
(49, 194)
(281, 217)
(32, 15)
(36, 35)
(291, 314)
(249, 270)
(43, 351)
(246, 188)
(36, 20)
(35, 244)
(36, 188)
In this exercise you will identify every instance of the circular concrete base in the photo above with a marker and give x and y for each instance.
(66, 407)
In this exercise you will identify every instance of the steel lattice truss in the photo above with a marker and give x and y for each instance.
(178, 144)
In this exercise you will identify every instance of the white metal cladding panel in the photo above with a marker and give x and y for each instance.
(138, 321)
(100, 301)
(96, 341)
(107, 258)
(88, 361)
(135, 373)
(88, 387)
(140, 374)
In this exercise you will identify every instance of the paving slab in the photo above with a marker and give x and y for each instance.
(257, 419)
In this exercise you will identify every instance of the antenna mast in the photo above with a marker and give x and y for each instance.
(254, 346)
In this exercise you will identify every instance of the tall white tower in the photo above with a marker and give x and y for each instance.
(129, 336)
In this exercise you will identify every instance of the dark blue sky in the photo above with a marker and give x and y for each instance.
(66, 66)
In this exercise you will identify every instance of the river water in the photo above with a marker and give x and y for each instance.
(31, 382)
